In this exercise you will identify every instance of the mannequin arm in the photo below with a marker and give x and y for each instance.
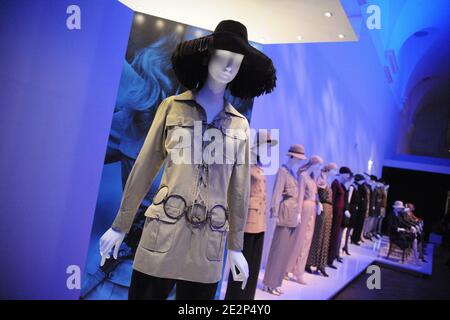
(277, 192)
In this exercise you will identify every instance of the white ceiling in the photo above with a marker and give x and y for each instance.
(267, 21)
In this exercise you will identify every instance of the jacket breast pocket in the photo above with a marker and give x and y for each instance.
(159, 230)
(179, 138)
(215, 246)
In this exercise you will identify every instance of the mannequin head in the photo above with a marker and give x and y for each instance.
(227, 57)
(345, 175)
(313, 167)
(296, 157)
(223, 66)
(327, 174)
(398, 207)
(294, 163)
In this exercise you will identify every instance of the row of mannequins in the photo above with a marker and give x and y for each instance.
(316, 207)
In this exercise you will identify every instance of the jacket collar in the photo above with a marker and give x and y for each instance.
(189, 96)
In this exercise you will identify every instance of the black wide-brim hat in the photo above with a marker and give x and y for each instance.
(256, 75)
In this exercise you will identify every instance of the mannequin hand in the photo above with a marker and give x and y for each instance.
(347, 214)
(319, 209)
(400, 229)
(237, 260)
(110, 239)
(299, 218)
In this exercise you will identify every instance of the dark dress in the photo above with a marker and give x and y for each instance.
(361, 211)
(338, 212)
(318, 254)
(346, 220)
(353, 206)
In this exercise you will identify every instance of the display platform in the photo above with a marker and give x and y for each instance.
(321, 288)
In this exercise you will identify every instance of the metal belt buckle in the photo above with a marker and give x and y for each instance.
(196, 214)
(176, 202)
(217, 216)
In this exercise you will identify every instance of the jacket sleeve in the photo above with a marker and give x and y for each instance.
(277, 193)
(146, 166)
(238, 195)
(301, 192)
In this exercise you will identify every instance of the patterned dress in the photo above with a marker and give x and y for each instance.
(338, 213)
(318, 254)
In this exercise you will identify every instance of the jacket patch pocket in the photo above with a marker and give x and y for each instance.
(158, 232)
(216, 244)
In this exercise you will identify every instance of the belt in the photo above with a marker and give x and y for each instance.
(196, 214)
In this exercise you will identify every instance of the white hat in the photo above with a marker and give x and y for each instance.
(398, 205)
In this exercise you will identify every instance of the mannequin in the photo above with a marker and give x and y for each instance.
(358, 208)
(284, 209)
(310, 206)
(371, 219)
(382, 189)
(318, 254)
(256, 223)
(198, 203)
(348, 221)
(338, 215)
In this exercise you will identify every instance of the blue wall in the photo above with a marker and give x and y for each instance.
(58, 89)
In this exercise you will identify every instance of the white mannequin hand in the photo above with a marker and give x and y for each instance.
(347, 214)
(401, 229)
(237, 260)
(109, 240)
(319, 209)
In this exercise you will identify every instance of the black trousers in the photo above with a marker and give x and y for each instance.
(146, 287)
(358, 227)
(253, 247)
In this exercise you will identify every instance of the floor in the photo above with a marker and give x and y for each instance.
(397, 285)
(353, 267)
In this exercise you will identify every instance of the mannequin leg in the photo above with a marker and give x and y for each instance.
(146, 287)
(188, 290)
(347, 236)
(253, 245)
(338, 246)
(278, 256)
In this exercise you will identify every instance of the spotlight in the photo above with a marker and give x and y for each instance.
(159, 24)
(328, 14)
(262, 40)
(179, 28)
(341, 36)
(299, 37)
(139, 18)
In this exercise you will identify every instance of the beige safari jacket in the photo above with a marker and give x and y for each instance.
(256, 218)
(171, 246)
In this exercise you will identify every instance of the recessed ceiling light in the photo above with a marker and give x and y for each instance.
(139, 18)
(179, 28)
(159, 24)
(341, 36)
(328, 14)
(262, 40)
(299, 37)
